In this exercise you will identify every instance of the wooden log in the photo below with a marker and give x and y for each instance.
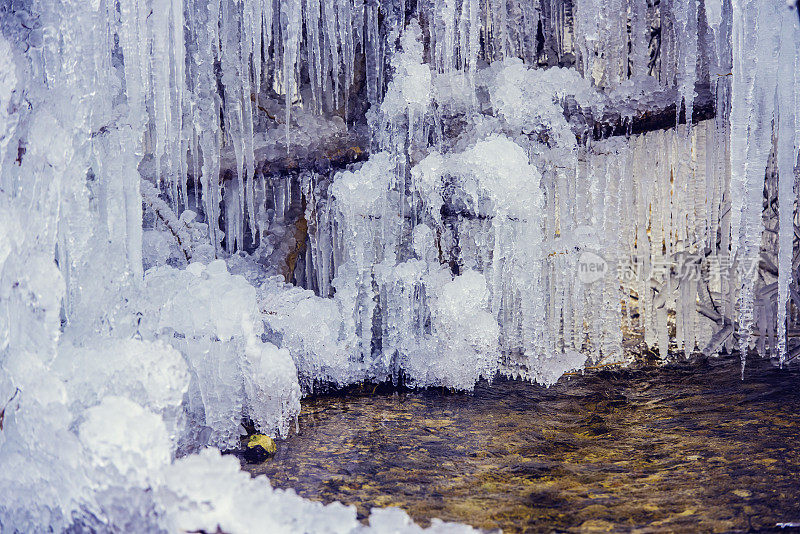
(659, 113)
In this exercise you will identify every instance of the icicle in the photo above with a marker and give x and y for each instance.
(177, 142)
(473, 39)
(760, 80)
(788, 86)
(740, 106)
(373, 60)
(445, 38)
(267, 14)
(234, 119)
(160, 68)
(345, 35)
(290, 31)
(311, 24)
(131, 31)
(207, 112)
(640, 32)
(686, 42)
(330, 35)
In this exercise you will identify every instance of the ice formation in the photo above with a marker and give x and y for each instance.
(212, 318)
(210, 208)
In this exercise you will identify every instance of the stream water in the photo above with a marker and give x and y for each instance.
(687, 447)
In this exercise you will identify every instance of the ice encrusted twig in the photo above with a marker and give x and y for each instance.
(151, 197)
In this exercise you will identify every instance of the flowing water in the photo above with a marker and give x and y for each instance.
(687, 447)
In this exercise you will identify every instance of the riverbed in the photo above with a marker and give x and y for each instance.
(687, 447)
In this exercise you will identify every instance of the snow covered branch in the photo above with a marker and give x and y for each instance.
(166, 215)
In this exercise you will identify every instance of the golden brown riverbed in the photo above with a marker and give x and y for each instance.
(683, 448)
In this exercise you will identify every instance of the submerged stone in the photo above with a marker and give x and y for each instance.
(259, 448)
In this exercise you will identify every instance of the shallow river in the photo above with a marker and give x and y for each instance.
(686, 448)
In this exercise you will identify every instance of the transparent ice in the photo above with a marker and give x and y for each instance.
(211, 208)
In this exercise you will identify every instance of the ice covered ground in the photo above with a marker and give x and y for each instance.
(120, 432)
(136, 343)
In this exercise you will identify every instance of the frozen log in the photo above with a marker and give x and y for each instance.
(658, 118)
(324, 144)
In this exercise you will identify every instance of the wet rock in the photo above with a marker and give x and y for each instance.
(259, 448)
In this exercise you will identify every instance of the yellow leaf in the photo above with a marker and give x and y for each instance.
(266, 442)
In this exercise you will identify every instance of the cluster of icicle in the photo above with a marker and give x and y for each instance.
(748, 51)
(675, 216)
(454, 251)
(112, 380)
